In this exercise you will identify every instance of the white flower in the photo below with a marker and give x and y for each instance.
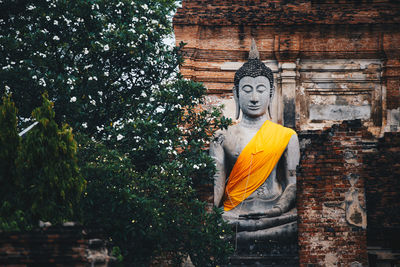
(85, 51)
(84, 125)
(56, 38)
(73, 99)
(31, 7)
(196, 167)
(7, 89)
(48, 18)
(160, 109)
(42, 82)
(106, 47)
(93, 102)
(119, 137)
(67, 20)
(55, 22)
(106, 73)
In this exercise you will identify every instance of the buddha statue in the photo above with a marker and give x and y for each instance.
(256, 161)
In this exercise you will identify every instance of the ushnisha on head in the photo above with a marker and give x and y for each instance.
(256, 70)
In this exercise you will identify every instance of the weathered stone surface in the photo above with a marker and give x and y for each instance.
(283, 12)
(68, 245)
(339, 112)
(339, 52)
(331, 202)
(382, 186)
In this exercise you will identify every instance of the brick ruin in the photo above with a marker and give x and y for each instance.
(333, 60)
(348, 200)
(64, 245)
(336, 66)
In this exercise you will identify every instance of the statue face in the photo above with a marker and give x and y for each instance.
(254, 95)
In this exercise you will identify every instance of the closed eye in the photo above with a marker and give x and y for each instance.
(247, 88)
(261, 88)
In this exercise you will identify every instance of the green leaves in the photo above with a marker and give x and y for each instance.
(41, 180)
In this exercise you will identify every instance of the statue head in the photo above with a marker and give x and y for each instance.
(254, 86)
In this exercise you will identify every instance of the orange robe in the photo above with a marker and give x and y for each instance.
(256, 162)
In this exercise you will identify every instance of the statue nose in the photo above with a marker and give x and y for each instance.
(254, 98)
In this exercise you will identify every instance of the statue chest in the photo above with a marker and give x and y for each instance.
(233, 146)
(235, 143)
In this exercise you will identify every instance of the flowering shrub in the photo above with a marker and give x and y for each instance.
(141, 130)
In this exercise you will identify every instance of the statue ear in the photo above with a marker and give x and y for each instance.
(270, 102)
(269, 111)
(235, 96)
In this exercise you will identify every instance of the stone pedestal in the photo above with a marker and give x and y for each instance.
(266, 253)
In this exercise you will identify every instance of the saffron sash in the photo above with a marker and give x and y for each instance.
(256, 162)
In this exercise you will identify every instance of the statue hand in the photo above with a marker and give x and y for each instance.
(273, 212)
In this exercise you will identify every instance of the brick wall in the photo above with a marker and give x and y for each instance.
(347, 158)
(382, 185)
(54, 246)
(286, 12)
(332, 220)
(354, 43)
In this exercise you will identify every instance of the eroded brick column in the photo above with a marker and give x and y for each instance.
(287, 82)
(391, 77)
(287, 47)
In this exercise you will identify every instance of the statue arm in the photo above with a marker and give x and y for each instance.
(291, 161)
(217, 153)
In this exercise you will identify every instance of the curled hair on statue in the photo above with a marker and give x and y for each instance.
(253, 68)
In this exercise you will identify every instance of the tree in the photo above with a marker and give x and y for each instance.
(98, 60)
(40, 179)
(48, 169)
(141, 127)
(11, 217)
(9, 143)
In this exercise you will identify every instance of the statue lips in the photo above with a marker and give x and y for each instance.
(254, 107)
